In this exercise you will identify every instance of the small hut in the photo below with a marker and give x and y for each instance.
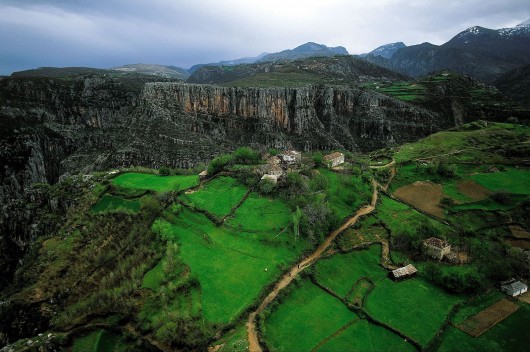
(403, 273)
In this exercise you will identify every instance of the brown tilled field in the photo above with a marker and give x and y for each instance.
(422, 195)
(518, 232)
(481, 322)
(473, 190)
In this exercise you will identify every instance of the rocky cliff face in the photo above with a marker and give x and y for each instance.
(51, 127)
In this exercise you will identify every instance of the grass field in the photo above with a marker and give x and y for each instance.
(461, 145)
(340, 272)
(489, 204)
(415, 307)
(366, 337)
(98, 341)
(346, 192)
(260, 214)
(509, 335)
(218, 196)
(232, 266)
(109, 203)
(512, 180)
(304, 318)
(155, 182)
(235, 341)
(400, 218)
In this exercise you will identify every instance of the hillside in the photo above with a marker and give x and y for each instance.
(155, 70)
(516, 85)
(139, 261)
(338, 70)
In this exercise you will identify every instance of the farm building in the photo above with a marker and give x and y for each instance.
(513, 288)
(274, 170)
(436, 247)
(273, 178)
(203, 175)
(334, 159)
(291, 157)
(403, 273)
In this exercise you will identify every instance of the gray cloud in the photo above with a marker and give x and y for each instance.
(108, 33)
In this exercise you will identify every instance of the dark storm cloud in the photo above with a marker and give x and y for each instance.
(114, 32)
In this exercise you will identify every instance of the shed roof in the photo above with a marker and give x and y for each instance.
(405, 271)
(515, 286)
(204, 173)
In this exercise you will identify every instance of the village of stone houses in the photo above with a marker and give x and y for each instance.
(424, 247)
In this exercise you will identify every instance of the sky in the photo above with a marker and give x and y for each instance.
(109, 33)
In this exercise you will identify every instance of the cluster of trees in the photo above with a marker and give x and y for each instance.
(243, 155)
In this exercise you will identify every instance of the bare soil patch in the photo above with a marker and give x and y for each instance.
(519, 243)
(481, 322)
(518, 232)
(525, 297)
(422, 195)
(473, 190)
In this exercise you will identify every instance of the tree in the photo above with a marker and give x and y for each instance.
(266, 186)
(246, 155)
(219, 163)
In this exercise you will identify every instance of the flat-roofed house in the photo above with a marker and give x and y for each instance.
(334, 159)
(291, 157)
(513, 287)
(436, 247)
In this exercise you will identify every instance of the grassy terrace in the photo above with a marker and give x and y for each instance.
(109, 203)
(340, 272)
(509, 335)
(415, 307)
(259, 214)
(155, 182)
(218, 196)
(346, 192)
(306, 317)
(232, 266)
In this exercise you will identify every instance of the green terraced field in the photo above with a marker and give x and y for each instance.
(232, 266)
(415, 307)
(218, 196)
(109, 203)
(155, 182)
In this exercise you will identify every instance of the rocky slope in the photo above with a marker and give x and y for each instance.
(52, 127)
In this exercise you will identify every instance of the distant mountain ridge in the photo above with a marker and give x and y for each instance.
(308, 49)
(386, 50)
(485, 54)
(155, 70)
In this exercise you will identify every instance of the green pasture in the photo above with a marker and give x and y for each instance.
(400, 219)
(340, 272)
(98, 341)
(218, 196)
(367, 337)
(305, 317)
(109, 203)
(155, 183)
(510, 334)
(415, 307)
(232, 266)
(346, 192)
(513, 180)
(260, 214)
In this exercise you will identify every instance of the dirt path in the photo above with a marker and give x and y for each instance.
(296, 269)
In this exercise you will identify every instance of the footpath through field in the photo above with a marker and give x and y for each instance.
(254, 345)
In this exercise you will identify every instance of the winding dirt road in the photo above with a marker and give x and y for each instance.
(296, 269)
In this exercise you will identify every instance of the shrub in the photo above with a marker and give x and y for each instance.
(164, 171)
(219, 163)
(266, 186)
(246, 155)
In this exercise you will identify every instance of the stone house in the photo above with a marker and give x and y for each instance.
(513, 288)
(273, 178)
(403, 273)
(291, 157)
(203, 175)
(436, 247)
(334, 159)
